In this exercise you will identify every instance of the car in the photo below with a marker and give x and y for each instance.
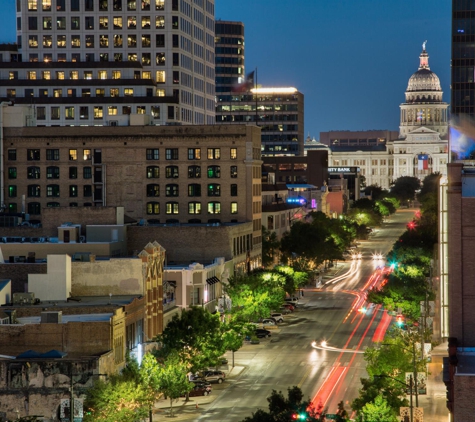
(378, 256)
(285, 311)
(269, 321)
(201, 383)
(289, 306)
(199, 391)
(262, 332)
(277, 317)
(214, 376)
(292, 300)
(223, 360)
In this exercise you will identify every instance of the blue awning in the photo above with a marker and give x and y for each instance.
(301, 186)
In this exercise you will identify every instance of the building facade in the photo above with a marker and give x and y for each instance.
(422, 146)
(98, 63)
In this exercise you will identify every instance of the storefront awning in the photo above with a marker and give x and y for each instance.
(212, 280)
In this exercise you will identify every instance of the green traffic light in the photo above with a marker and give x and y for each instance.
(302, 416)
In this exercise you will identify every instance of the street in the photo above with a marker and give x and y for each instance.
(327, 372)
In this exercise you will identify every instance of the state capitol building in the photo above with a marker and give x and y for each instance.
(419, 149)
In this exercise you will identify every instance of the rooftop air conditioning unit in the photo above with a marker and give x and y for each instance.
(51, 317)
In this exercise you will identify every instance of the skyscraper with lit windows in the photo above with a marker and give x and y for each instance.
(113, 62)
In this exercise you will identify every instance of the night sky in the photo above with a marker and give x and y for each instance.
(350, 58)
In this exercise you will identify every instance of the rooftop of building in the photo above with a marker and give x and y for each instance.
(77, 302)
(355, 148)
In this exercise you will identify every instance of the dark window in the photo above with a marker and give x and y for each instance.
(171, 190)
(87, 191)
(33, 173)
(12, 191)
(33, 191)
(52, 204)
(32, 23)
(87, 172)
(12, 208)
(117, 5)
(153, 190)
(60, 5)
(171, 154)
(73, 172)
(194, 154)
(175, 43)
(194, 172)
(12, 154)
(73, 191)
(176, 77)
(12, 172)
(88, 5)
(194, 189)
(74, 5)
(153, 172)
(214, 190)
(171, 172)
(175, 5)
(174, 22)
(171, 112)
(153, 154)
(73, 204)
(89, 22)
(153, 208)
(34, 208)
(52, 154)
(52, 190)
(52, 172)
(33, 154)
(234, 190)
(160, 40)
(233, 172)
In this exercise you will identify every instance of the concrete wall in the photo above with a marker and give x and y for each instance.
(121, 276)
(56, 283)
(6, 292)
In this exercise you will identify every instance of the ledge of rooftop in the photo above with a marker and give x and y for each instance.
(78, 301)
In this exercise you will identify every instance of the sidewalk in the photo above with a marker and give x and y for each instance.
(188, 410)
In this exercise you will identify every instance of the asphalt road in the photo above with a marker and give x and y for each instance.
(326, 374)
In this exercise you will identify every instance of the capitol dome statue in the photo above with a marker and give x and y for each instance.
(424, 106)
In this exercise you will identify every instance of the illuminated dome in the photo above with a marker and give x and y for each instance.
(424, 85)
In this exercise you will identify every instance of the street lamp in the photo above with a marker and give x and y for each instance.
(411, 407)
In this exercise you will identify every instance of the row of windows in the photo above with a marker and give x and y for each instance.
(34, 154)
(104, 5)
(118, 22)
(194, 189)
(95, 112)
(194, 172)
(61, 75)
(193, 153)
(52, 172)
(34, 191)
(153, 208)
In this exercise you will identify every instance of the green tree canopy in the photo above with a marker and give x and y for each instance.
(270, 247)
(378, 410)
(405, 187)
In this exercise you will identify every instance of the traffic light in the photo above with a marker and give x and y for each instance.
(299, 416)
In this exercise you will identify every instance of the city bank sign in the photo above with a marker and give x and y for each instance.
(347, 170)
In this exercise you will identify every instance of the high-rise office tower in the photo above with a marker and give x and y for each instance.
(279, 112)
(113, 62)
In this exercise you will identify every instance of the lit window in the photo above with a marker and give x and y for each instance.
(194, 153)
(31, 75)
(48, 41)
(171, 190)
(73, 155)
(104, 41)
(52, 190)
(234, 208)
(131, 22)
(112, 110)
(100, 92)
(214, 172)
(116, 74)
(103, 22)
(114, 92)
(46, 74)
(194, 207)
(153, 208)
(153, 190)
(159, 4)
(33, 172)
(52, 172)
(129, 92)
(194, 172)
(214, 153)
(118, 42)
(172, 207)
(12, 191)
(160, 59)
(73, 191)
(171, 154)
(153, 172)
(233, 172)
(160, 76)
(69, 113)
(98, 112)
(214, 207)
(145, 22)
(233, 154)
(159, 22)
(171, 172)
(73, 74)
(117, 22)
(214, 190)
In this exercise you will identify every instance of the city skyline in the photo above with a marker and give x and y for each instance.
(337, 97)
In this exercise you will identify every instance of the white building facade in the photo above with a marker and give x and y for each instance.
(422, 147)
(89, 62)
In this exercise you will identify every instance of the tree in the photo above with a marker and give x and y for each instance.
(377, 411)
(195, 335)
(375, 191)
(118, 400)
(405, 187)
(173, 380)
(270, 247)
(284, 409)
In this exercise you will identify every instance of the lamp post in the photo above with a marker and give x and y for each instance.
(411, 407)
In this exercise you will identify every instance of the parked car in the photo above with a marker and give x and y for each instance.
(200, 391)
(262, 332)
(289, 306)
(284, 310)
(214, 376)
(292, 300)
(223, 360)
(201, 383)
(269, 321)
(278, 317)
